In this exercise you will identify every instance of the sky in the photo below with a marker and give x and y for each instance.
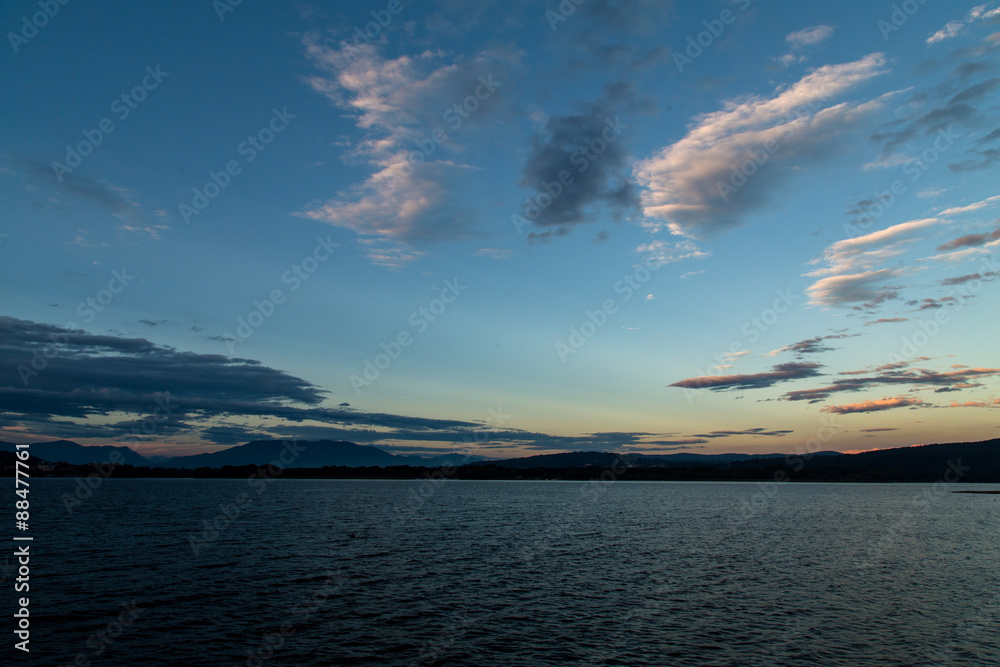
(505, 228)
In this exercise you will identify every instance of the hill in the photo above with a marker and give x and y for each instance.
(67, 451)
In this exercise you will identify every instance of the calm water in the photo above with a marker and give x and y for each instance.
(513, 573)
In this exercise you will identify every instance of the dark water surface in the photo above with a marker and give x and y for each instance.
(512, 573)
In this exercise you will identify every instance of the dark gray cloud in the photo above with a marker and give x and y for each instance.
(979, 159)
(894, 374)
(970, 240)
(164, 392)
(612, 34)
(959, 280)
(114, 200)
(956, 105)
(57, 373)
(815, 345)
(780, 373)
(579, 164)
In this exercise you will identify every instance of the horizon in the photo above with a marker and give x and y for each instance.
(465, 451)
(722, 228)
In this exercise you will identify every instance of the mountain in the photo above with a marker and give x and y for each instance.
(306, 454)
(66, 451)
(609, 459)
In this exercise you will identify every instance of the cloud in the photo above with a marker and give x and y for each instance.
(91, 377)
(955, 28)
(494, 253)
(951, 29)
(115, 199)
(779, 373)
(759, 431)
(975, 404)
(810, 36)
(872, 406)
(578, 165)
(406, 108)
(893, 374)
(936, 117)
(863, 252)
(684, 182)
(661, 253)
(801, 40)
(982, 159)
(960, 280)
(619, 36)
(850, 267)
(812, 345)
(887, 320)
(970, 240)
(867, 288)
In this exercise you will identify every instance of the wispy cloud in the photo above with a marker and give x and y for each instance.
(682, 181)
(810, 36)
(851, 270)
(895, 374)
(872, 406)
(779, 373)
(957, 27)
(405, 107)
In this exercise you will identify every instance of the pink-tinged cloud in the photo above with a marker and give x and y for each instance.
(682, 181)
(976, 404)
(887, 320)
(867, 287)
(872, 406)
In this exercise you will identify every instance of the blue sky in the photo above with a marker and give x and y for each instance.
(638, 226)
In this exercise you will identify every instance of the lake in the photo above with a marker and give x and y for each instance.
(300, 572)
